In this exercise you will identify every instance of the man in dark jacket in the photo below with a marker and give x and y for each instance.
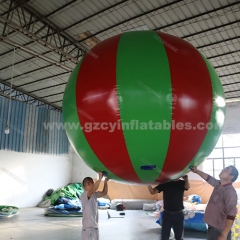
(173, 192)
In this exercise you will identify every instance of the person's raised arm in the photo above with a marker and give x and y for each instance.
(105, 188)
(152, 190)
(96, 185)
(200, 173)
(187, 184)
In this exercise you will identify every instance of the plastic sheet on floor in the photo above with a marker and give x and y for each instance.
(8, 211)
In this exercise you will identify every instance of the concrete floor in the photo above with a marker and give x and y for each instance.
(31, 224)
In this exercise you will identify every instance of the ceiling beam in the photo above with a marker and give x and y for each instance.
(226, 84)
(34, 53)
(96, 14)
(130, 19)
(57, 29)
(211, 29)
(37, 39)
(53, 86)
(62, 40)
(197, 16)
(42, 79)
(30, 96)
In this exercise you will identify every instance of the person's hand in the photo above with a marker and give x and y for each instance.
(106, 179)
(194, 169)
(222, 236)
(185, 177)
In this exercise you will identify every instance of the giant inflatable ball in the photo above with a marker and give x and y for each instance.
(143, 106)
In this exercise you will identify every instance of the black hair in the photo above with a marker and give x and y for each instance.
(234, 173)
(86, 180)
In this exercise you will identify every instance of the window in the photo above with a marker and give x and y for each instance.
(219, 143)
(218, 167)
(228, 162)
(208, 167)
(216, 153)
(226, 152)
(232, 152)
(237, 163)
(231, 140)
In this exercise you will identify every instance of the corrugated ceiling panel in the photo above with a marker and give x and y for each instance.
(79, 10)
(48, 6)
(4, 47)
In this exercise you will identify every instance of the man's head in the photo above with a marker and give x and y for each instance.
(229, 174)
(87, 183)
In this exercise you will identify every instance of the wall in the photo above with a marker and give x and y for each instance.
(118, 190)
(124, 191)
(232, 122)
(25, 177)
(79, 168)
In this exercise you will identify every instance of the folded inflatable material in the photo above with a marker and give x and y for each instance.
(50, 214)
(72, 191)
(8, 211)
(196, 223)
(131, 204)
(53, 212)
(103, 202)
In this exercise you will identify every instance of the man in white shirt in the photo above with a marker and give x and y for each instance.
(90, 206)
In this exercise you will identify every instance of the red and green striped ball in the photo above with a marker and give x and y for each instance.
(161, 94)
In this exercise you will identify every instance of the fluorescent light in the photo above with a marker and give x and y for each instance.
(233, 100)
(7, 130)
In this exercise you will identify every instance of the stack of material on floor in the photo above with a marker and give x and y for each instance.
(8, 211)
(72, 191)
(103, 203)
(65, 201)
(149, 207)
(131, 204)
(193, 215)
(65, 207)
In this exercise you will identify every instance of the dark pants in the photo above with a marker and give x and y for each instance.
(175, 220)
(213, 233)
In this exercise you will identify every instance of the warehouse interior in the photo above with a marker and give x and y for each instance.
(41, 42)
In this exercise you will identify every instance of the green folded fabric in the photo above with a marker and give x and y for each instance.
(72, 191)
(7, 211)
